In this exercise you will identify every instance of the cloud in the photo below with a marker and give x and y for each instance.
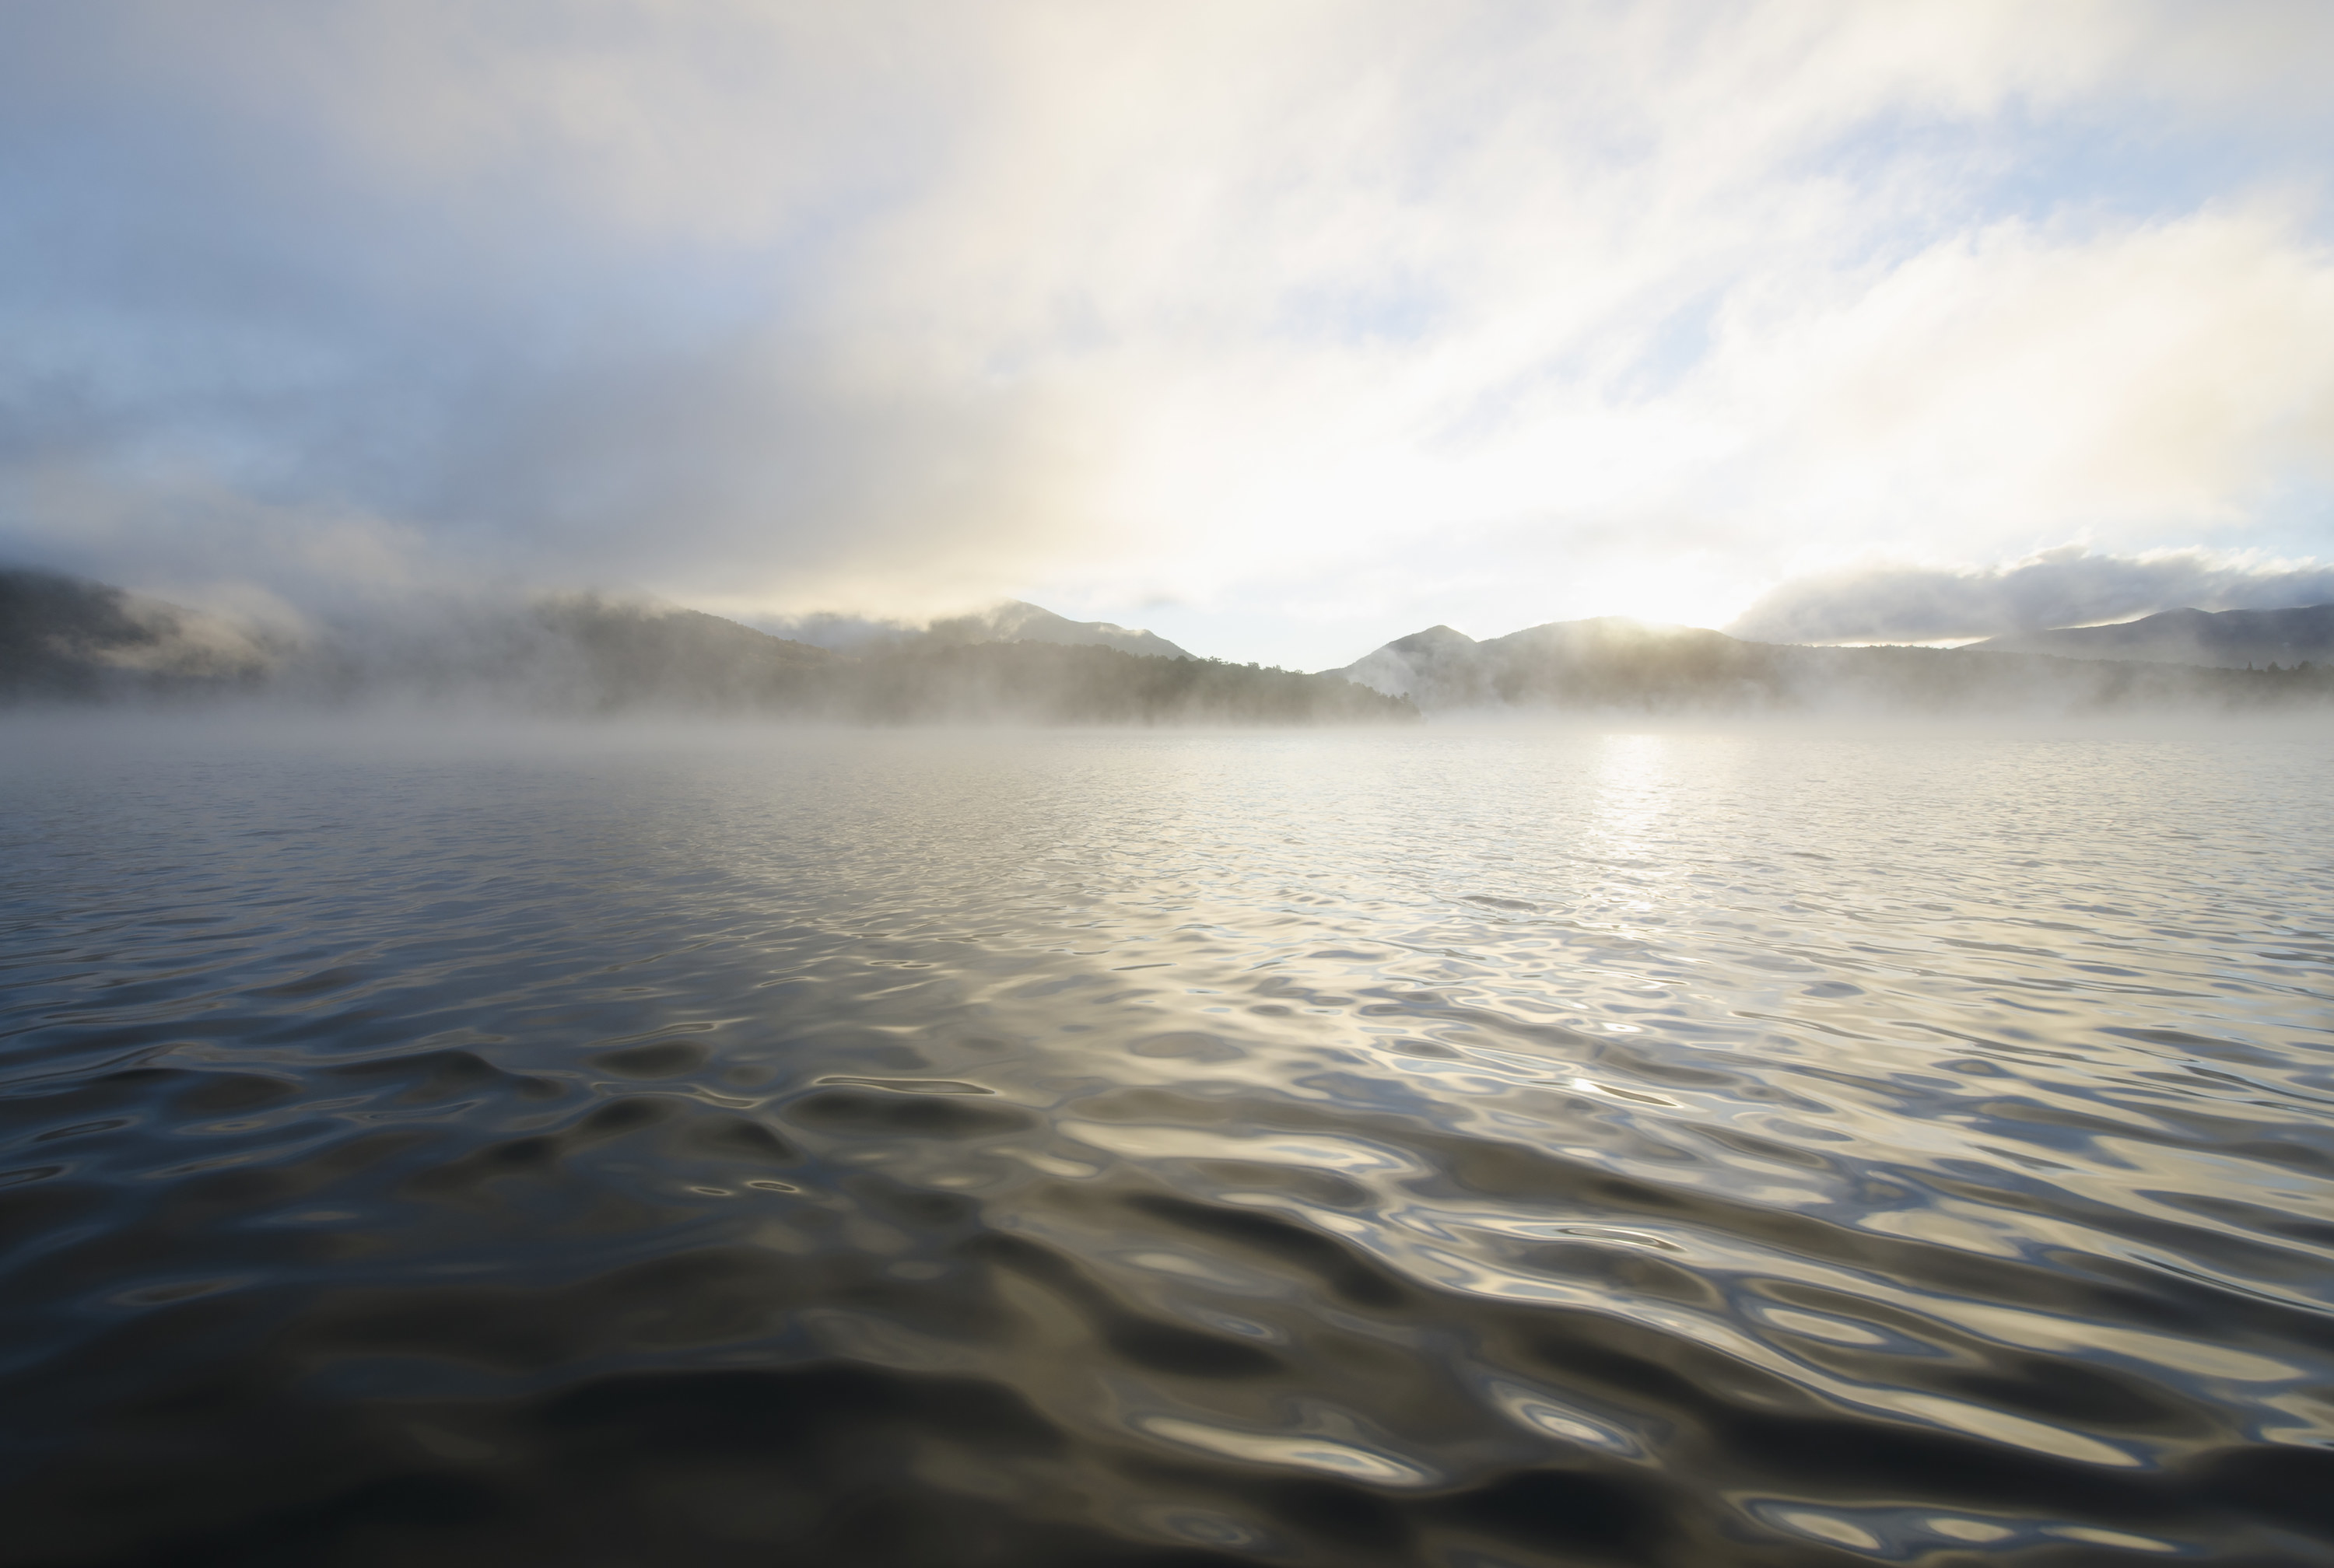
(2066, 587)
(2020, 381)
(903, 306)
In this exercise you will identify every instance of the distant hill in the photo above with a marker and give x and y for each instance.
(1011, 622)
(2229, 639)
(627, 656)
(1626, 666)
(63, 640)
(1605, 663)
(1014, 621)
(1036, 682)
(1436, 667)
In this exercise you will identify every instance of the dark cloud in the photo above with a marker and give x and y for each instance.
(2064, 587)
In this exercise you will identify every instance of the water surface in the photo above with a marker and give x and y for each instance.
(1523, 1147)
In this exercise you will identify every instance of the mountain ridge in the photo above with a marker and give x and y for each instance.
(1013, 620)
(2224, 639)
(1612, 663)
(69, 641)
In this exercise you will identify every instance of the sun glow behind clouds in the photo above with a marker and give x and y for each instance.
(1676, 593)
(1323, 322)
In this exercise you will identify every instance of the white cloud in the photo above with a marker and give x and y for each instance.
(2017, 382)
(1263, 309)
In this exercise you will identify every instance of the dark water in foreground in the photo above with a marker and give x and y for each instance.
(1167, 1150)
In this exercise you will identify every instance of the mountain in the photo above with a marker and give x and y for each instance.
(1436, 667)
(1605, 662)
(63, 640)
(69, 638)
(1044, 683)
(1011, 622)
(2230, 638)
(1014, 621)
(1617, 665)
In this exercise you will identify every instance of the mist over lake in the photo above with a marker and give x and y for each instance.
(1111, 786)
(1482, 1147)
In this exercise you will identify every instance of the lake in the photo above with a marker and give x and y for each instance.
(1506, 1147)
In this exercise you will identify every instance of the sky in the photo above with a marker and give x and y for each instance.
(1282, 329)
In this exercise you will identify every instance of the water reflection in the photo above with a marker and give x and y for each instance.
(1494, 1148)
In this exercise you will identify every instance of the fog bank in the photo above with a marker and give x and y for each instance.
(68, 641)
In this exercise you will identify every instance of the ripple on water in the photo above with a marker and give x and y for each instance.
(1169, 1149)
